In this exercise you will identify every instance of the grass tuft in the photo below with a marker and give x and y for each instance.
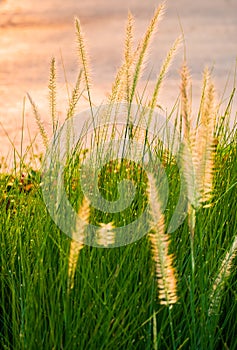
(164, 291)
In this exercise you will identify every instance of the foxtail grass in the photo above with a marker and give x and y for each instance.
(165, 271)
(78, 239)
(164, 291)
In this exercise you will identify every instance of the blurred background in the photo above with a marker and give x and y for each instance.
(31, 32)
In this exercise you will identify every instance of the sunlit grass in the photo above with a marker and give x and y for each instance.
(175, 291)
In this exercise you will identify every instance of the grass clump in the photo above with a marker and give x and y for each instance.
(167, 290)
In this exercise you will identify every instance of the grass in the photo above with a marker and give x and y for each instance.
(164, 291)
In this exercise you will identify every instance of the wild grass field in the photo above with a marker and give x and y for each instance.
(168, 289)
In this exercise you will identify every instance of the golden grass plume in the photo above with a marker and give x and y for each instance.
(134, 61)
(165, 272)
(78, 244)
(222, 275)
(83, 58)
(198, 155)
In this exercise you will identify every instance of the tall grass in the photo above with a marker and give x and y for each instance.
(175, 291)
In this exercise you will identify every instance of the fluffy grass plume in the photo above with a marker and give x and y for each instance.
(222, 275)
(122, 84)
(163, 71)
(39, 122)
(186, 111)
(143, 47)
(52, 105)
(77, 245)
(83, 57)
(76, 94)
(165, 271)
(128, 53)
(204, 147)
(199, 151)
(53, 94)
(134, 62)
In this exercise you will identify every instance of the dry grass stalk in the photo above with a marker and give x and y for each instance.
(105, 234)
(78, 244)
(165, 272)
